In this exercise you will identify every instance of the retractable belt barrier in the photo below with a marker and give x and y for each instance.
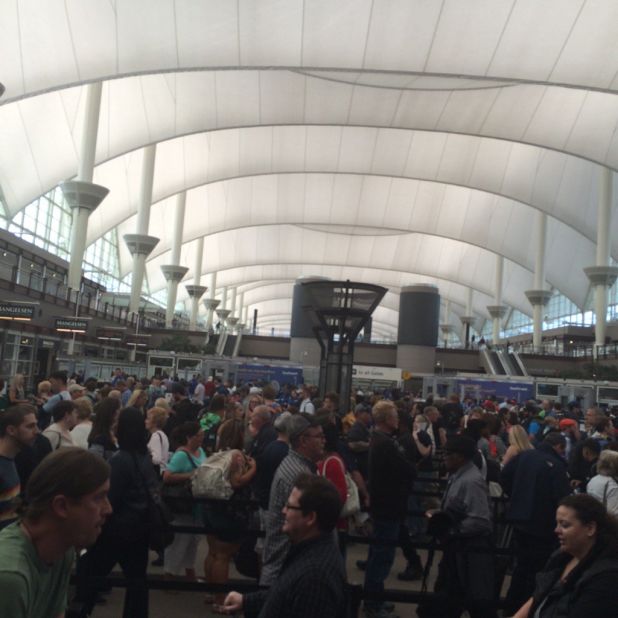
(355, 592)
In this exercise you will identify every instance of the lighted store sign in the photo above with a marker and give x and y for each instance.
(16, 311)
(71, 325)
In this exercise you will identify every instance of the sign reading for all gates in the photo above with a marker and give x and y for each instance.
(71, 325)
(16, 311)
(388, 374)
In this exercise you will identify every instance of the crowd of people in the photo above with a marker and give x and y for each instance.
(317, 469)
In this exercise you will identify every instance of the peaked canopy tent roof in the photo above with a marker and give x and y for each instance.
(388, 141)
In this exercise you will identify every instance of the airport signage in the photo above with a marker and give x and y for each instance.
(71, 325)
(16, 311)
(387, 374)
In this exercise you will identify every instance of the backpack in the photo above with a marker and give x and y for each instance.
(212, 478)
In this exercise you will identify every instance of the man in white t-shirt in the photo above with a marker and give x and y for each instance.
(200, 392)
(306, 405)
(65, 418)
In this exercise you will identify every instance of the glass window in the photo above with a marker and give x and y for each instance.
(46, 222)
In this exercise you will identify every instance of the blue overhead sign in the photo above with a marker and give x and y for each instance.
(483, 389)
(269, 373)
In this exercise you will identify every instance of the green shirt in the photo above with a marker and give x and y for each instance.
(29, 588)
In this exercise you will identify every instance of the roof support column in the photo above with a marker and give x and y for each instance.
(196, 291)
(446, 327)
(241, 324)
(497, 311)
(173, 272)
(231, 323)
(140, 244)
(233, 302)
(602, 276)
(82, 195)
(223, 300)
(468, 319)
(222, 314)
(304, 347)
(238, 340)
(211, 303)
(539, 296)
(241, 304)
(417, 335)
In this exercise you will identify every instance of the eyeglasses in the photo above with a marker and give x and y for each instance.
(291, 507)
(320, 435)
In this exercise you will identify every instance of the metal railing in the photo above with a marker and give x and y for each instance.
(54, 289)
(355, 593)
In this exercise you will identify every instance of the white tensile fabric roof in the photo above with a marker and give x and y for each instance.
(388, 141)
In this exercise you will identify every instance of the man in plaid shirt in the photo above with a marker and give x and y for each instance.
(312, 579)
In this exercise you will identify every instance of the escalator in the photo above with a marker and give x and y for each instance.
(499, 362)
(505, 361)
(492, 363)
(518, 364)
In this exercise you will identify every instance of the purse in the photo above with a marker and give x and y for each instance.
(351, 505)
(160, 533)
(212, 479)
(178, 497)
(352, 501)
(158, 517)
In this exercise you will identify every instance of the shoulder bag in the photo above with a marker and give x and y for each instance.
(352, 501)
(159, 517)
(178, 496)
(212, 479)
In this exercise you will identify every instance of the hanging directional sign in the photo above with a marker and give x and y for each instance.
(71, 325)
(14, 310)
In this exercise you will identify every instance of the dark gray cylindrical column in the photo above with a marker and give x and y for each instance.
(301, 325)
(419, 319)
(304, 347)
(419, 315)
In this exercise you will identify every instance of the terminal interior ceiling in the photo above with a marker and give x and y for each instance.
(470, 145)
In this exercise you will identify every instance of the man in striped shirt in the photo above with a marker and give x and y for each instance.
(306, 449)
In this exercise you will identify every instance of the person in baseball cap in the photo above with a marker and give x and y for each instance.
(569, 429)
(76, 391)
